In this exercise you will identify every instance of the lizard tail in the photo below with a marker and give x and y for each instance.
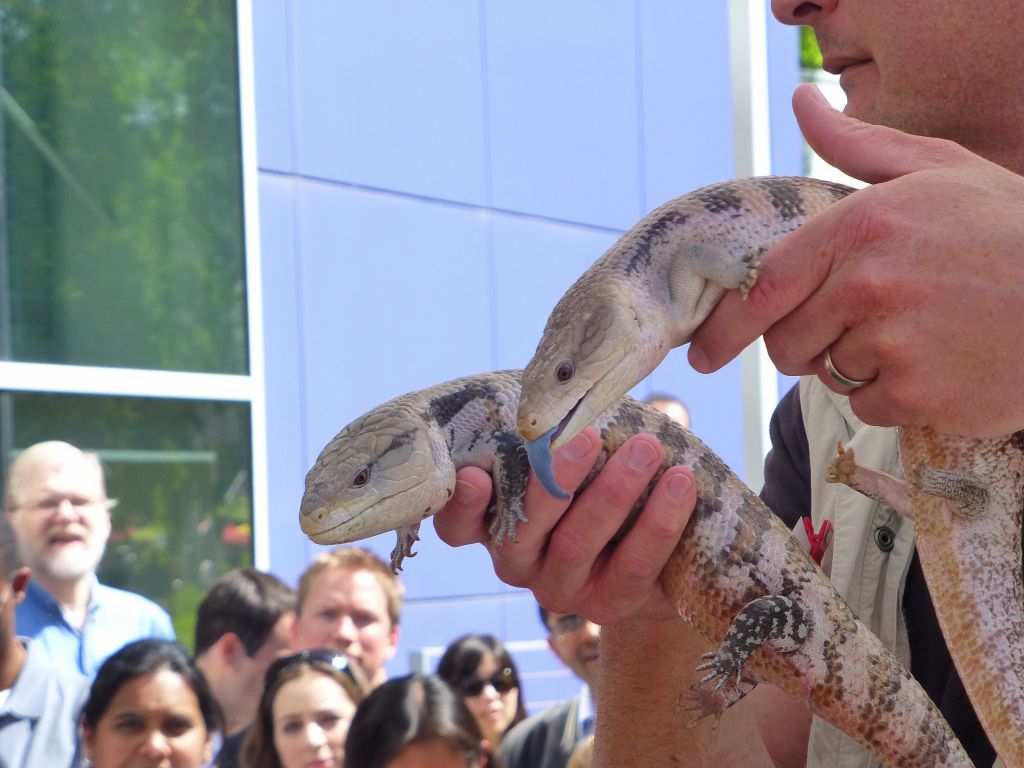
(985, 632)
(869, 695)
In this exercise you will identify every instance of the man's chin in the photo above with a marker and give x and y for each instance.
(71, 565)
(590, 668)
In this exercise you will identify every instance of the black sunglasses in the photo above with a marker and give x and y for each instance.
(324, 656)
(503, 682)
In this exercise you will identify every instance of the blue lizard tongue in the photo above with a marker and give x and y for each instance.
(539, 453)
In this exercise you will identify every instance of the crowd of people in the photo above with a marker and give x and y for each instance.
(279, 678)
(909, 287)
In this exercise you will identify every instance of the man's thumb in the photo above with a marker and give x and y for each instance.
(871, 153)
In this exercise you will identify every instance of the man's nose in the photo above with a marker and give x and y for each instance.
(797, 12)
(345, 632)
(66, 509)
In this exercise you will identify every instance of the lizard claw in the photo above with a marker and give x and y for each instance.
(705, 703)
(407, 536)
(721, 669)
(504, 527)
(753, 261)
(842, 467)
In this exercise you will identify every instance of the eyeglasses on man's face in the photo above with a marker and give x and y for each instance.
(47, 505)
(503, 682)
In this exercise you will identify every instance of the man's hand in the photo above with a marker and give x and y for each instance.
(562, 553)
(916, 283)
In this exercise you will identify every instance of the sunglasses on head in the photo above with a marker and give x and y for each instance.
(503, 682)
(325, 656)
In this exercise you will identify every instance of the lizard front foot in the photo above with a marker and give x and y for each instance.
(876, 485)
(705, 703)
(407, 536)
(723, 666)
(843, 466)
(503, 526)
(753, 262)
(729, 687)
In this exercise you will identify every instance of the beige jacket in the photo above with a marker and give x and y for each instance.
(871, 547)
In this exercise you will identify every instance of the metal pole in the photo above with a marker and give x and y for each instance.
(752, 137)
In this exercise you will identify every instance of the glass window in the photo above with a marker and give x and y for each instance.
(180, 472)
(121, 207)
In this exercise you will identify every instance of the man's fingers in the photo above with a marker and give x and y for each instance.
(562, 553)
(593, 519)
(790, 272)
(571, 463)
(462, 521)
(871, 153)
(636, 563)
(517, 562)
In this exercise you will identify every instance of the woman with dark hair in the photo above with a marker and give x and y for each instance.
(149, 703)
(308, 700)
(481, 669)
(416, 721)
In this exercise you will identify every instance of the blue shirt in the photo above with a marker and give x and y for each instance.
(114, 617)
(39, 718)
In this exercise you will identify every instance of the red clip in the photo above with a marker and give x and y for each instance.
(818, 541)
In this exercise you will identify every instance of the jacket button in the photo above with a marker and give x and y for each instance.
(885, 538)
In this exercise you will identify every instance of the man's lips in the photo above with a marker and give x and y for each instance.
(836, 65)
(61, 539)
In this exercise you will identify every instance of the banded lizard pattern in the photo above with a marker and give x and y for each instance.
(965, 496)
(737, 573)
(651, 291)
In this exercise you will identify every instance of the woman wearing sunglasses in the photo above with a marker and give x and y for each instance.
(308, 701)
(481, 670)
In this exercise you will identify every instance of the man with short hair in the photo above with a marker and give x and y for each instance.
(56, 501)
(243, 624)
(671, 406)
(547, 739)
(350, 600)
(39, 702)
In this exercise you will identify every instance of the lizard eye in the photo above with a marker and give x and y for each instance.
(565, 371)
(360, 478)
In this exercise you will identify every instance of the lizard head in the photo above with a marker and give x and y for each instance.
(593, 351)
(378, 474)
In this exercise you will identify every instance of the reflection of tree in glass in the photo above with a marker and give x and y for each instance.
(180, 470)
(123, 209)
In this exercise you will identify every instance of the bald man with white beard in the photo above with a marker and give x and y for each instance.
(56, 500)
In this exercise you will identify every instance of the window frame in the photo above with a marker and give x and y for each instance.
(178, 385)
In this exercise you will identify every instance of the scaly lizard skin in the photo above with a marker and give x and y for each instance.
(965, 496)
(649, 293)
(737, 574)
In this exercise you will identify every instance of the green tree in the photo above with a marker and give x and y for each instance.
(810, 55)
